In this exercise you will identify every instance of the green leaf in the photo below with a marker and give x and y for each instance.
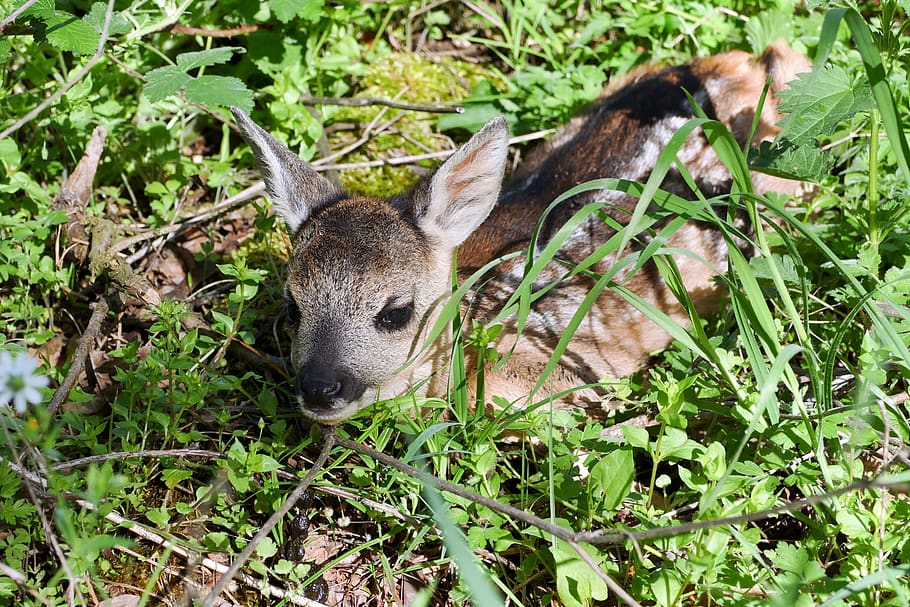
(576, 583)
(189, 61)
(855, 524)
(783, 158)
(42, 9)
(69, 33)
(471, 119)
(219, 91)
(714, 461)
(887, 577)
(637, 437)
(667, 588)
(164, 82)
(817, 101)
(611, 479)
(786, 267)
(172, 477)
(475, 577)
(266, 548)
(91, 547)
(268, 402)
(259, 462)
(95, 17)
(158, 516)
(417, 444)
(10, 157)
(207, 89)
(308, 10)
(768, 26)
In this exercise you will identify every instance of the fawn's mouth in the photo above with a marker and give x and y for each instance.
(330, 412)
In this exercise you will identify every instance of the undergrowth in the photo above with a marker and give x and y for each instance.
(775, 471)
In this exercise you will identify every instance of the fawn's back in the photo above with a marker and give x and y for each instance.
(368, 277)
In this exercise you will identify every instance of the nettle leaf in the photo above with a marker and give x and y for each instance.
(69, 33)
(119, 24)
(189, 61)
(786, 267)
(42, 9)
(207, 89)
(164, 82)
(285, 10)
(220, 91)
(783, 158)
(817, 101)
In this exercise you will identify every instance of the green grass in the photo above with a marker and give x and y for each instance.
(797, 390)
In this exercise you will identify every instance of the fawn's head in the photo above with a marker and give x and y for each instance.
(366, 275)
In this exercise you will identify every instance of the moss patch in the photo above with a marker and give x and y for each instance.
(410, 78)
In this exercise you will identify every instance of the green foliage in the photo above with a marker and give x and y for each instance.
(790, 392)
(205, 89)
(815, 104)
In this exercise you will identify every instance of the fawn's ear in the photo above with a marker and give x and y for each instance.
(465, 188)
(295, 188)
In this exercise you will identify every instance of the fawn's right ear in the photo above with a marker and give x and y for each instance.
(465, 188)
(295, 188)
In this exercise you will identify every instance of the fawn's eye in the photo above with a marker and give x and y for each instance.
(394, 317)
(292, 311)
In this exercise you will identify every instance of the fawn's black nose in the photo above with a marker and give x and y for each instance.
(326, 389)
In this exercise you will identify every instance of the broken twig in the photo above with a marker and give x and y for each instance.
(398, 105)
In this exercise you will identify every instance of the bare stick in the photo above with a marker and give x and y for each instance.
(418, 157)
(615, 588)
(74, 195)
(516, 513)
(104, 457)
(69, 84)
(330, 437)
(226, 33)
(364, 138)
(78, 364)
(208, 563)
(162, 235)
(364, 101)
(19, 578)
(607, 535)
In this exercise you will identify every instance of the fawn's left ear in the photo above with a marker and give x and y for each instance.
(295, 188)
(465, 188)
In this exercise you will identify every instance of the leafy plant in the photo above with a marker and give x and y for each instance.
(772, 473)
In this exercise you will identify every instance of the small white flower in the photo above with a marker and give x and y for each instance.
(19, 385)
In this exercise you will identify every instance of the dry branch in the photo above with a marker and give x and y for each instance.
(289, 502)
(606, 536)
(365, 101)
(75, 194)
(417, 157)
(82, 351)
(208, 33)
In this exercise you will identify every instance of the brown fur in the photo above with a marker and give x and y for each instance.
(362, 266)
(620, 136)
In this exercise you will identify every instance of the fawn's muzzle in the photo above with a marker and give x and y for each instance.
(323, 391)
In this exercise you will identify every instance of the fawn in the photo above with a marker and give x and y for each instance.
(368, 277)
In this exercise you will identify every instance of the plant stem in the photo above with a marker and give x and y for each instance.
(872, 193)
